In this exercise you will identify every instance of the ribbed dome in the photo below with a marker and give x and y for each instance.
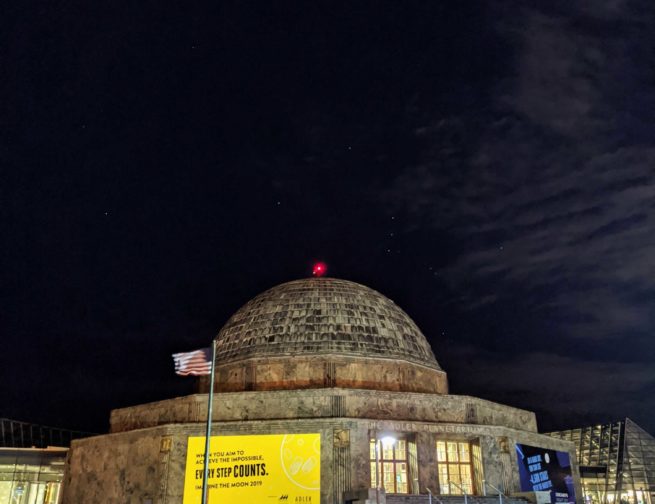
(319, 316)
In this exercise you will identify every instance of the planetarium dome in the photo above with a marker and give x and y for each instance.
(324, 332)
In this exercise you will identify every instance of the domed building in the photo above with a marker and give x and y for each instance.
(324, 391)
(325, 333)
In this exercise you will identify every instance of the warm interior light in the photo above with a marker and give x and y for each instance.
(388, 441)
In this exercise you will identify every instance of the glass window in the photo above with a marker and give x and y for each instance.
(452, 452)
(30, 477)
(401, 449)
(464, 452)
(441, 451)
(455, 471)
(5, 491)
(389, 479)
(401, 478)
(393, 467)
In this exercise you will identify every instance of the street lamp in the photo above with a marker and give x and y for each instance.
(386, 441)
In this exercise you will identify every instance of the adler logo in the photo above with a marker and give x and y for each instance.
(284, 497)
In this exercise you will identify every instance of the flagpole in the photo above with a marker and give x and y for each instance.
(208, 431)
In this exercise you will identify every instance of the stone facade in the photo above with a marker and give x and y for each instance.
(134, 466)
(313, 356)
(322, 403)
(311, 372)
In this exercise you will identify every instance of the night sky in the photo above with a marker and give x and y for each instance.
(489, 166)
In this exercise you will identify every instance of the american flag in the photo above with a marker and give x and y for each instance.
(196, 363)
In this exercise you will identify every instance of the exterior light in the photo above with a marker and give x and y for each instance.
(385, 441)
(319, 269)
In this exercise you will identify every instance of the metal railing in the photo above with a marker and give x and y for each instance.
(466, 500)
(16, 434)
(500, 492)
(429, 495)
(433, 497)
(485, 484)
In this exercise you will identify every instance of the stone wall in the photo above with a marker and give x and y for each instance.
(116, 469)
(323, 403)
(285, 373)
(148, 464)
(426, 443)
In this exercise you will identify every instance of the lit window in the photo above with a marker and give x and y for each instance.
(455, 472)
(392, 471)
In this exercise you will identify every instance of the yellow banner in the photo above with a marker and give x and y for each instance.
(255, 469)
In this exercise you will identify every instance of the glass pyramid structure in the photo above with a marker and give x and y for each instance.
(617, 462)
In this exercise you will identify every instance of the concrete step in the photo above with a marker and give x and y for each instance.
(409, 499)
(368, 496)
(451, 499)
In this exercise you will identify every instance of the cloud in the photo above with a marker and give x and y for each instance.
(553, 88)
(550, 199)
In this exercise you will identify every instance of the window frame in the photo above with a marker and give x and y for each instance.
(449, 461)
(396, 461)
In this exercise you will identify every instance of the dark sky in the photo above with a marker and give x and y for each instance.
(490, 166)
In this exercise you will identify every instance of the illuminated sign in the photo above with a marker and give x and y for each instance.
(542, 470)
(245, 469)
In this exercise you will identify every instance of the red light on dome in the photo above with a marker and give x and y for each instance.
(319, 269)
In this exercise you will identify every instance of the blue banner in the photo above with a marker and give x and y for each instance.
(542, 470)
